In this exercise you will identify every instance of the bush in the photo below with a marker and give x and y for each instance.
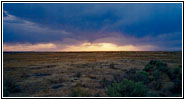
(162, 67)
(178, 73)
(148, 68)
(153, 94)
(167, 89)
(176, 76)
(127, 88)
(143, 77)
(156, 65)
(161, 80)
(156, 74)
(79, 92)
(140, 76)
(177, 86)
(175, 73)
(117, 77)
(171, 74)
(156, 85)
(157, 82)
(143, 73)
(131, 74)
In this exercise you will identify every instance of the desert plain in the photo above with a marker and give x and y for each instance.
(66, 74)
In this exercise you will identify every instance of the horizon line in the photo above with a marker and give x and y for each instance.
(101, 51)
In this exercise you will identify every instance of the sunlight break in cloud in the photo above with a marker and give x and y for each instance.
(85, 46)
(100, 47)
(105, 47)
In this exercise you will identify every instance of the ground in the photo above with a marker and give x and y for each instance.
(67, 74)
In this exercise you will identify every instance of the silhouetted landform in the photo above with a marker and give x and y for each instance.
(92, 74)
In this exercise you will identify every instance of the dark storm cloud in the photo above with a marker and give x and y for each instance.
(20, 30)
(158, 24)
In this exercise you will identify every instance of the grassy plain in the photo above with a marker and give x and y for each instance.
(67, 74)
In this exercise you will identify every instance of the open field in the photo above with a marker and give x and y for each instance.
(66, 74)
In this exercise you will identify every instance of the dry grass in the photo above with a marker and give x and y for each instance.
(38, 73)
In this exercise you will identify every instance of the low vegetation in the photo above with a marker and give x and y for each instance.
(155, 80)
(92, 74)
(78, 91)
(127, 88)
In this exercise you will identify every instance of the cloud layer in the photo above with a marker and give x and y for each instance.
(89, 27)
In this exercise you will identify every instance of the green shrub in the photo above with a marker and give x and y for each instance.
(177, 86)
(143, 73)
(153, 94)
(178, 73)
(156, 65)
(167, 88)
(171, 74)
(79, 92)
(140, 76)
(153, 62)
(162, 67)
(143, 77)
(127, 88)
(156, 85)
(156, 74)
(137, 76)
(131, 74)
(117, 77)
(175, 73)
(148, 68)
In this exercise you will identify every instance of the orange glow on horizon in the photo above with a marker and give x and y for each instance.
(80, 47)
(100, 47)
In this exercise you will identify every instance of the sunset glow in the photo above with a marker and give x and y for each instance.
(92, 27)
(79, 47)
(100, 47)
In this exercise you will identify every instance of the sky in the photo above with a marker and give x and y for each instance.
(92, 26)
